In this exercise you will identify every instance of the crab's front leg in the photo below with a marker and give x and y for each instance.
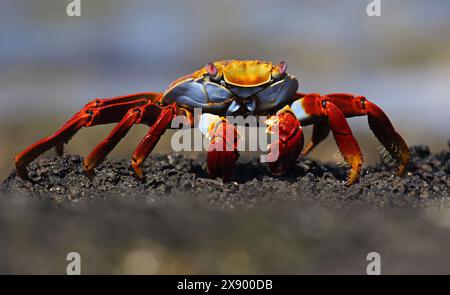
(223, 148)
(285, 150)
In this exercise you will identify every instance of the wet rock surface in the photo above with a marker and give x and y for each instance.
(427, 182)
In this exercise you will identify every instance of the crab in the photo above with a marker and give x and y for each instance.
(230, 88)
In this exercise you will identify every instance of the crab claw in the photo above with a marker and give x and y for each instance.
(284, 151)
(222, 151)
(384, 131)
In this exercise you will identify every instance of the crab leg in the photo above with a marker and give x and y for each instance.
(157, 129)
(141, 114)
(310, 108)
(320, 132)
(287, 148)
(379, 123)
(386, 134)
(346, 142)
(98, 111)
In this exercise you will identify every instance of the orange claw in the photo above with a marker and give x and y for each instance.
(222, 151)
(285, 151)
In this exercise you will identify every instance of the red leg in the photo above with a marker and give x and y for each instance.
(379, 123)
(386, 134)
(142, 114)
(98, 111)
(345, 141)
(284, 152)
(352, 105)
(222, 151)
(159, 126)
(320, 132)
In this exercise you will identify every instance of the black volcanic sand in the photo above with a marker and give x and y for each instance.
(179, 221)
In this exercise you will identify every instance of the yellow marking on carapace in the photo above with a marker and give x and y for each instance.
(246, 73)
(242, 73)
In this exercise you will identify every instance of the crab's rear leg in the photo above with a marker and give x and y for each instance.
(314, 105)
(386, 134)
(223, 148)
(346, 142)
(325, 115)
(379, 123)
(96, 112)
(150, 114)
(157, 129)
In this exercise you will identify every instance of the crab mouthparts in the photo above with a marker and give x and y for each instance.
(243, 105)
(244, 100)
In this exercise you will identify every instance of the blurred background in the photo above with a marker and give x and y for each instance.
(52, 64)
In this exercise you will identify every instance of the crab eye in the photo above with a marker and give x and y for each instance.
(213, 71)
(279, 70)
(282, 67)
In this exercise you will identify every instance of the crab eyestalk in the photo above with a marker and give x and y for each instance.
(284, 151)
(279, 70)
(213, 71)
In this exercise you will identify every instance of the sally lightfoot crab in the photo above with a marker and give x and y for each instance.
(230, 88)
